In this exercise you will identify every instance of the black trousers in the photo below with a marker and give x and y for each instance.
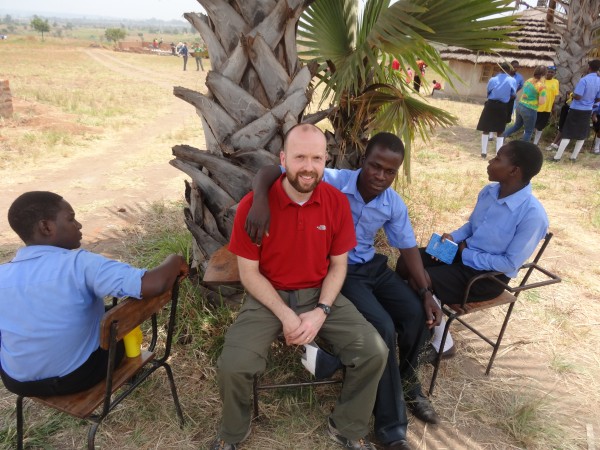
(450, 280)
(397, 313)
(87, 375)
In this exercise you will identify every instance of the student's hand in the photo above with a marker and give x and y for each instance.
(312, 321)
(257, 221)
(433, 313)
(447, 236)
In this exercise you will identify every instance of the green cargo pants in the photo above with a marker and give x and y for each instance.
(352, 338)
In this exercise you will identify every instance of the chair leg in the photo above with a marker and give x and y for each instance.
(255, 395)
(499, 340)
(92, 434)
(438, 358)
(19, 423)
(174, 394)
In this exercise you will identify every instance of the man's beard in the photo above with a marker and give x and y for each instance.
(295, 181)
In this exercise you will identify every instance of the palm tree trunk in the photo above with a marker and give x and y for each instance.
(257, 90)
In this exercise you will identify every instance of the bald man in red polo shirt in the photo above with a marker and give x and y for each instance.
(293, 281)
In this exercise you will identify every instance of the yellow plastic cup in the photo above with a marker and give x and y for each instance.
(133, 342)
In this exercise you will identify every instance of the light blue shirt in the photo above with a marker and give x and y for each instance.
(51, 305)
(519, 80)
(501, 234)
(589, 89)
(387, 210)
(501, 87)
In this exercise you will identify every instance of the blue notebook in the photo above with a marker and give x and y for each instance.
(444, 251)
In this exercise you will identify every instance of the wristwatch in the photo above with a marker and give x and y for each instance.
(424, 290)
(326, 308)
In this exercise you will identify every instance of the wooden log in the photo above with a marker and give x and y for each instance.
(239, 104)
(206, 243)
(272, 74)
(235, 180)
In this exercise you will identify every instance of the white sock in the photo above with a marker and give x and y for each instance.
(499, 143)
(597, 145)
(577, 149)
(491, 135)
(436, 341)
(561, 148)
(538, 135)
(484, 142)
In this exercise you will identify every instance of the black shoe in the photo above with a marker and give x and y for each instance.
(551, 159)
(422, 409)
(429, 354)
(484, 155)
(401, 444)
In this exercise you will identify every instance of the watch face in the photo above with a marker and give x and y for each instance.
(326, 309)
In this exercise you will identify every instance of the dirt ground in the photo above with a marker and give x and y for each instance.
(105, 184)
(549, 354)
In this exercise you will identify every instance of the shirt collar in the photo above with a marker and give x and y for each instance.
(351, 188)
(35, 251)
(284, 200)
(513, 201)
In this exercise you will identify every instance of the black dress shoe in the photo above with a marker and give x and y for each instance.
(401, 444)
(422, 409)
(429, 354)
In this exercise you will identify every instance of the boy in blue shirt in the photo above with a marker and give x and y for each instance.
(52, 300)
(502, 232)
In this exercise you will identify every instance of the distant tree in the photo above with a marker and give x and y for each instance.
(141, 35)
(115, 34)
(69, 26)
(40, 25)
(7, 18)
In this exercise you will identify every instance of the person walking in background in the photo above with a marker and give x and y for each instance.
(173, 52)
(577, 125)
(534, 95)
(544, 111)
(395, 64)
(183, 51)
(520, 82)
(562, 117)
(500, 89)
(198, 56)
(418, 74)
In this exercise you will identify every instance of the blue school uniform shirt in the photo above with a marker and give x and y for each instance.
(387, 210)
(519, 80)
(51, 305)
(501, 234)
(501, 87)
(589, 88)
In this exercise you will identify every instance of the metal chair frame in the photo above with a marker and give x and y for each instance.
(509, 296)
(117, 322)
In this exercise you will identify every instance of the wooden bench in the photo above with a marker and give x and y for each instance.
(456, 311)
(116, 323)
(222, 270)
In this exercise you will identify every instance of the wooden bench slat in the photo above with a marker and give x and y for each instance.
(222, 269)
(83, 404)
(502, 299)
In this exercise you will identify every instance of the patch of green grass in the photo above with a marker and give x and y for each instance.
(560, 365)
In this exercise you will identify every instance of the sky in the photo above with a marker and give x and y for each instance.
(121, 9)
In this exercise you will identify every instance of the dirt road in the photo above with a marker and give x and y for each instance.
(118, 174)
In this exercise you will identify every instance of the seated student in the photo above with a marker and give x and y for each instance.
(436, 86)
(52, 300)
(503, 231)
(400, 316)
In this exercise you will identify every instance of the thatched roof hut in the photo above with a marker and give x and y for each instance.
(534, 45)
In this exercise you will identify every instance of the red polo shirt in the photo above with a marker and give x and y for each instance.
(295, 255)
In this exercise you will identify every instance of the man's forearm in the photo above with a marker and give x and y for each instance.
(332, 283)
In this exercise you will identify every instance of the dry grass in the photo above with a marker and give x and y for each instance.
(543, 392)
